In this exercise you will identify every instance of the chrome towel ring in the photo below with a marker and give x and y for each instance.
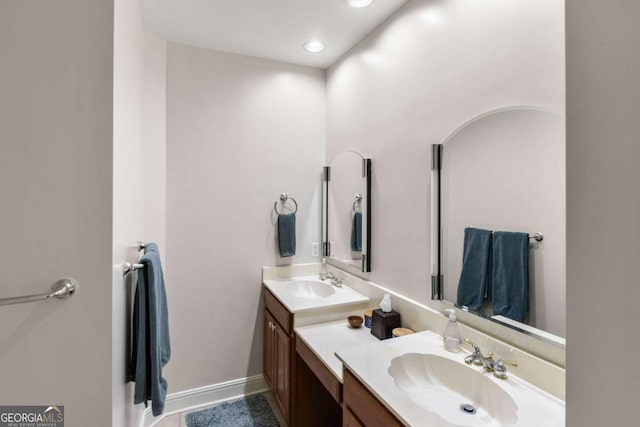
(283, 198)
(357, 202)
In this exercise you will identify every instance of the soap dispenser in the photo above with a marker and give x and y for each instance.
(451, 336)
(324, 273)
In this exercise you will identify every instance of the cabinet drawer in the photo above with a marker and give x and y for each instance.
(278, 311)
(364, 405)
(324, 375)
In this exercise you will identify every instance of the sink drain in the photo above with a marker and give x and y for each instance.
(467, 409)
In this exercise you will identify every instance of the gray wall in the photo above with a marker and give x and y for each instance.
(239, 132)
(603, 212)
(56, 104)
(139, 146)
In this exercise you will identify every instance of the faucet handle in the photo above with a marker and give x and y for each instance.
(500, 370)
(471, 343)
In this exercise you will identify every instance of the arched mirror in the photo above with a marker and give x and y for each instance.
(346, 208)
(500, 203)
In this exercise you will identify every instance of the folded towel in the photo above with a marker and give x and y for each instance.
(151, 346)
(287, 234)
(356, 232)
(476, 273)
(510, 275)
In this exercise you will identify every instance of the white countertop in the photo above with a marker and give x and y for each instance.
(370, 364)
(296, 302)
(326, 339)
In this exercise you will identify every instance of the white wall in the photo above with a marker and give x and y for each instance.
(427, 70)
(603, 211)
(56, 108)
(139, 146)
(239, 132)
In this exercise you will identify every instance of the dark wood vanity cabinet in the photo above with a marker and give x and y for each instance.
(362, 408)
(318, 393)
(278, 329)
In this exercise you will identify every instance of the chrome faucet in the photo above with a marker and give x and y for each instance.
(335, 280)
(478, 359)
(498, 367)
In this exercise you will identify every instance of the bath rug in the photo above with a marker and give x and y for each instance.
(251, 411)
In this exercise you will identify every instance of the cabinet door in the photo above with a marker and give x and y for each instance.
(269, 349)
(349, 419)
(282, 380)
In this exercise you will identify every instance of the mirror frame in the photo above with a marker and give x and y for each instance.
(437, 279)
(366, 218)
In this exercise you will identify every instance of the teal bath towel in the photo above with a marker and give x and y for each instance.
(510, 275)
(151, 346)
(475, 276)
(356, 232)
(287, 234)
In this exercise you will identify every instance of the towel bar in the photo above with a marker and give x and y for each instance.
(538, 237)
(129, 267)
(61, 289)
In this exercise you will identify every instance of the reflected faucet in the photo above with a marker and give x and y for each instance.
(335, 280)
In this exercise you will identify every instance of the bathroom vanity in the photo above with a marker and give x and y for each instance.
(324, 373)
(289, 302)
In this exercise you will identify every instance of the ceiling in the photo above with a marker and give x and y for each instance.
(271, 29)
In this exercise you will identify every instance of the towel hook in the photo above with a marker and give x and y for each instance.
(283, 198)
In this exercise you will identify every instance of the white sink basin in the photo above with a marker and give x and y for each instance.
(424, 385)
(310, 293)
(311, 289)
(444, 386)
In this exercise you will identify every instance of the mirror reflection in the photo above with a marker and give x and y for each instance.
(502, 182)
(346, 210)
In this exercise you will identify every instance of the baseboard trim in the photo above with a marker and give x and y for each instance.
(206, 396)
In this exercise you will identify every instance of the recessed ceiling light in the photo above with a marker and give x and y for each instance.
(359, 3)
(313, 46)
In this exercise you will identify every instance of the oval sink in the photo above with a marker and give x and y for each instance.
(446, 388)
(310, 289)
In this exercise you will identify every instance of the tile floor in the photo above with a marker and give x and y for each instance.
(178, 420)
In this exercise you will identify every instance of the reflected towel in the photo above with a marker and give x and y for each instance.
(510, 275)
(287, 234)
(151, 346)
(356, 232)
(476, 272)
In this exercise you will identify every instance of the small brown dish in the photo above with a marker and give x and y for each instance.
(355, 321)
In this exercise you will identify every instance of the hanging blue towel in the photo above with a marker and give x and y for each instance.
(356, 232)
(510, 275)
(287, 234)
(476, 272)
(151, 346)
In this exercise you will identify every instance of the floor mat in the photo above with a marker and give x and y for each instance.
(251, 411)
